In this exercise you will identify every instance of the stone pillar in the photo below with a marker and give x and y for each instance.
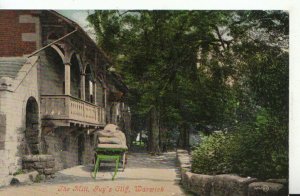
(67, 78)
(104, 89)
(82, 87)
(95, 92)
(117, 108)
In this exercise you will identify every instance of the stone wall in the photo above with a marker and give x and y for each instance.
(63, 144)
(226, 184)
(44, 164)
(13, 104)
(88, 153)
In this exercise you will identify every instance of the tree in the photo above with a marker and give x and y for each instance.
(198, 68)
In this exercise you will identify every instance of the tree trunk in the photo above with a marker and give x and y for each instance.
(154, 130)
(163, 142)
(183, 140)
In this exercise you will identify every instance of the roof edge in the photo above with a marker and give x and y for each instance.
(75, 25)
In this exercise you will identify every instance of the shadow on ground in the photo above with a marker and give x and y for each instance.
(144, 160)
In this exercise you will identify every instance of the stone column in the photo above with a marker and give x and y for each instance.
(104, 106)
(82, 87)
(104, 89)
(94, 92)
(67, 78)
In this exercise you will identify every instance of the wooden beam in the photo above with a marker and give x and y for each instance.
(63, 37)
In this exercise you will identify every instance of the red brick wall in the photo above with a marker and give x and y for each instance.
(11, 30)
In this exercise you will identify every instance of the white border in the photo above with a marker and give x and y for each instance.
(147, 4)
(294, 104)
(291, 5)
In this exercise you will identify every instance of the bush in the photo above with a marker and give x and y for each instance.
(18, 172)
(39, 178)
(258, 149)
(211, 157)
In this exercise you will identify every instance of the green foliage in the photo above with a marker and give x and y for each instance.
(138, 143)
(210, 156)
(227, 69)
(38, 179)
(18, 172)
(256, 149)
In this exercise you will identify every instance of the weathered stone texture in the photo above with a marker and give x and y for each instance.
(230, 185)
(13, 105)
(267, 189)
(185, 179)
(2, 130)
(22, 33)
(29, 37)
(44, 164)
(226, 184)
(64, 146)
(88, 153)
(48, 171)
(280, 181)
(26, 18)
(184, 160)
(24, 179)
(5, 181)
(50, 164)
(2, 119)
(201, 184)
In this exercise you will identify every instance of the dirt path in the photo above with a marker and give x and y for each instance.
(144, 175)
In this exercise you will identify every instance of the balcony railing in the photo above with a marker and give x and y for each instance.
(71, 110)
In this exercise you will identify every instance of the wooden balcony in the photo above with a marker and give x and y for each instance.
(65, 110)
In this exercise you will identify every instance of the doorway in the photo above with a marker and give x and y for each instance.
(32, 127)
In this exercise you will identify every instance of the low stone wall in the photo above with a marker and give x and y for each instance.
(226, 184)
(44, 164)
(20, 179)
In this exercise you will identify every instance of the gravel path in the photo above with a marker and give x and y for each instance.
(144, 175)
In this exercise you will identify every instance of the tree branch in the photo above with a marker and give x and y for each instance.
(220, 37)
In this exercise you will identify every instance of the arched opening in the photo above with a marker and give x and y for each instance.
(75, 77)
(32, 127)
(89, 85)
(52, 73)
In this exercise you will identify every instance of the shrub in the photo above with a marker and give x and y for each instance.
(211, 156)
(18, 172)
(258, 149)
(38, 178)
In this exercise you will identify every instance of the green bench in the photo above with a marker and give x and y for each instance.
(109, 154)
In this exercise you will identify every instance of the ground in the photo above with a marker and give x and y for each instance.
(144, 175)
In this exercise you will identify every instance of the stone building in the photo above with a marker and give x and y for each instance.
(55, 91)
